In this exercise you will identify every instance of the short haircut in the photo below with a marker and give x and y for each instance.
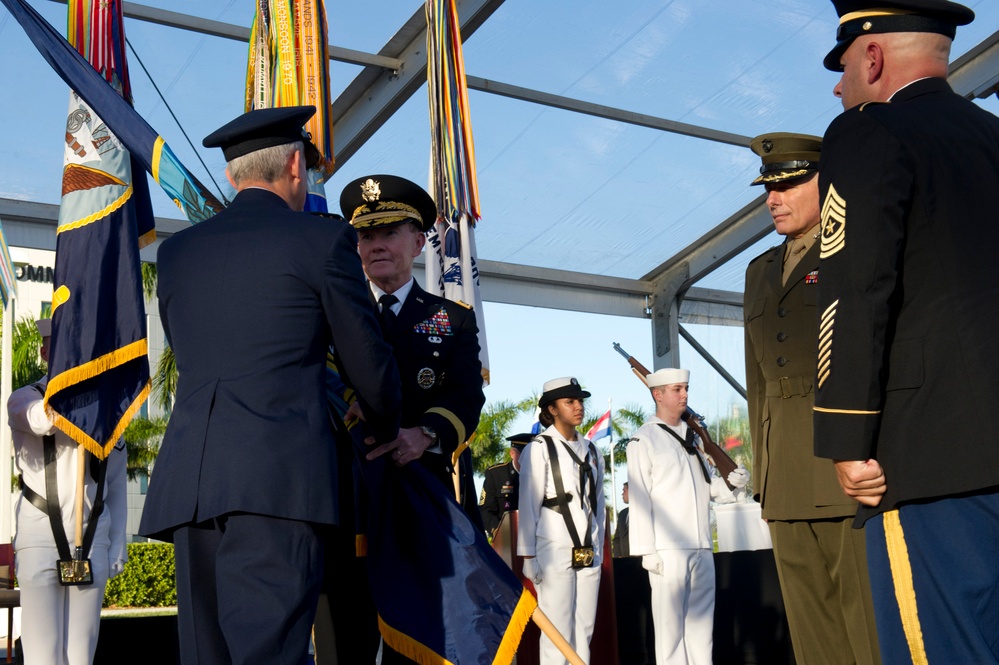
(264, 165)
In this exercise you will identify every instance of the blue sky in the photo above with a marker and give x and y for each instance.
(559, 189)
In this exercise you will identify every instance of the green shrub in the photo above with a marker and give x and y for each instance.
(148, 579)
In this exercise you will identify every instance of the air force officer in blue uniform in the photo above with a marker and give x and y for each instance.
(250, 301)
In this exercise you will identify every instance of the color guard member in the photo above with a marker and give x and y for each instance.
(907, 367)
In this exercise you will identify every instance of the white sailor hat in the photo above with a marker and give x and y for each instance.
(665, 377)
(44, 327)
(566, 386)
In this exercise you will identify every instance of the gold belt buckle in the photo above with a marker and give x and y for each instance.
(582, 557)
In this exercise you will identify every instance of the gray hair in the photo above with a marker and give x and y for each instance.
(266, 164)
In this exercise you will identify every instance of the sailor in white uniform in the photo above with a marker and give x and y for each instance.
(671, 486)
(561, 529)
(60, 624)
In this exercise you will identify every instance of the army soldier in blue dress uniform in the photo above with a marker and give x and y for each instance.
(242, 484)
(821, 561)
(907, 367)
(501, 487)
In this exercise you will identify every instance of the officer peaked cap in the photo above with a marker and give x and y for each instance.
(786, 157)
(265, 128)
(872, 17)
(379, 201)
(518, 441)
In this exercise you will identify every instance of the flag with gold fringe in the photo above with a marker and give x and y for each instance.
(98, 364)
(443, 595)
(452, 266)
(146, 146)
(288, 65)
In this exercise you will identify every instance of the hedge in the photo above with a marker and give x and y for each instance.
(149, 578)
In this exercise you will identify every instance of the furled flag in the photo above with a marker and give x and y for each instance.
(98, 363)
(129, 128)
(443, 595)
(423, 552)
(601, 428)
(8, 283)
(452, 268)
(288, 65)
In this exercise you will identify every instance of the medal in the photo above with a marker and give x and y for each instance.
(425, 378)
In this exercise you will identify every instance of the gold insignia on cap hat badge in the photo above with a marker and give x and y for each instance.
(370, 190)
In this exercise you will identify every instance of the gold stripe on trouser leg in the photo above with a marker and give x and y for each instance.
(905, 592)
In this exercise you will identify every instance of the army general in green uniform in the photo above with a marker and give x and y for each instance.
(821, 560)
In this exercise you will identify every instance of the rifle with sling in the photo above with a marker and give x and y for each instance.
(719, 457)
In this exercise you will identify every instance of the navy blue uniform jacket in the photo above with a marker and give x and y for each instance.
(907, 367)
(436, 345)
(250, 300)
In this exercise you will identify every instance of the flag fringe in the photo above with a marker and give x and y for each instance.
(505, 653)
(360, 545)
(90, 370)
(82, 438)
(408, 647)
(515, 629)
(147, 238)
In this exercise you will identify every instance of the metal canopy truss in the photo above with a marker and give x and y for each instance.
(393, 75)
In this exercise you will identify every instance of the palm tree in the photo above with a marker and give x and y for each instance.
(142, 443)
(489, 444)
(148, 280)
(26, 362)
(164, 381)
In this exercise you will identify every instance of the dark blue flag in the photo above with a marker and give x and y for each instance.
(443, 595)
(134, 133)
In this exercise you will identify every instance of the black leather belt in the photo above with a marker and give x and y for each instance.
(553, 503)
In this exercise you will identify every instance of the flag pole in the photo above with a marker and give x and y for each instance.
(611, 444)
(551, 632)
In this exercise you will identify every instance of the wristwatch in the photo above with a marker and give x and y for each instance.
(431, 432)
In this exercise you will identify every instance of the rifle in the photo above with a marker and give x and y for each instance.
(719, 457)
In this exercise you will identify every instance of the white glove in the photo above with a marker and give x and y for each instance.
(653, 563)
(739, 477)
(532, 570)
(115, 568)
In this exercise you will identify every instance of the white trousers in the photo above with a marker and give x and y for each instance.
(567, 596)
(683, 607)
(59, 624)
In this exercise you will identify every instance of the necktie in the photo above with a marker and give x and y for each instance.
(794, 254)
(387, 315)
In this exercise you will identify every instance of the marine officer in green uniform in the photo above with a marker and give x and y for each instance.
(821, 560)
